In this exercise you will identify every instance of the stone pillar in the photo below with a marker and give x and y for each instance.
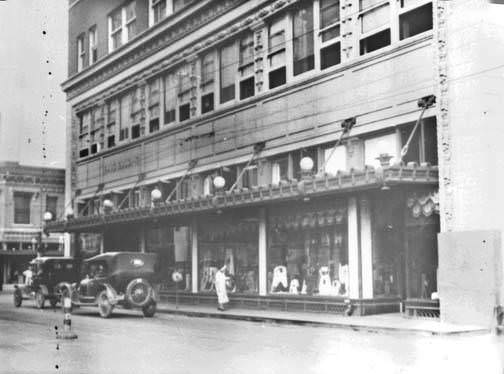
(263, 244)
(353, 248)
(366, 246)
(194, 255)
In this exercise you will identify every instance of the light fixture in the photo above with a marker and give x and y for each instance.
(108, 204)
(48, 216)
(156, 194)
(219, 182)
(306, 164)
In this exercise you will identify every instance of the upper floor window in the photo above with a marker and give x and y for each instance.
(184, 93)
(330, 51)
(170, 98)
(246, 67)
(22, 207)
(158, 10)
(374, 25)
(179, 4)
(122, 25)
(302, 30)
(207, 82)
(93, 45)
(276, 53)
(228, 61)
(416, 21)
(81, 53)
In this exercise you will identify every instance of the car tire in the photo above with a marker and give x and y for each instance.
(65, 292)
(105, 307)
(138, 292)
(18, 298)
(39, 299)
(150, 309)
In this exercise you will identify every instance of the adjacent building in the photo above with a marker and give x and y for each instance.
(27, 193)
(296, 141)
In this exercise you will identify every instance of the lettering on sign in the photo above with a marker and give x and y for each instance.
(113, 166)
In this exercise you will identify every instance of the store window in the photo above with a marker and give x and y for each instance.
(303, 49)
(173, 249)
(250, 177)
(84, 135)
(232, 241)
(308, 250)
(125, 121)
(423, 145)
(280, 170)
(184, 93)
(228, 65)
(154, 104)
(111, 122)
(22, 202)
(276, 53)
(385, 144)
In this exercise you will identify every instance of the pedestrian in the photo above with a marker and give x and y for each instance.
(220, 287)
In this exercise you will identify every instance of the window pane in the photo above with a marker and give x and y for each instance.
(125, 111)
(207, 103)
(366, 4)
(130, 11)
(331, 33)
(277, 78)
(131, 29)
(207, 69)
(228, 70)
(375, 19)
(303, 40)
(416, 21)
(430, 141)
(375, 42)
(247, 50)
(179, 4)
(22, 207)
(330, 56)
(116, 20)
(374, 147)
(277, 35)
(329, 12)
(170, 98)
(159, 10)
(247, 88)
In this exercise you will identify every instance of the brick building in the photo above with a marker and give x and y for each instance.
(26, 194)
(297, 141)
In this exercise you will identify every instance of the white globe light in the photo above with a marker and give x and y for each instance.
(48, 216)
(219, 182)
(306, 164)
(108, 203)
(156, 194)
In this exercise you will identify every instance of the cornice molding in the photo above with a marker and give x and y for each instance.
(179, 56)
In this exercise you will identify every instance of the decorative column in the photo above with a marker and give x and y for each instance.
(353, 248)
(263, 281)
(194, 91)
(366, 246)
(194, 255)
(349, 23)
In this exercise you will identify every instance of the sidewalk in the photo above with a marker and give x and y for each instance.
(391, 323)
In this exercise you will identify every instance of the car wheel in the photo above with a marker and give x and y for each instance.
(18, 298)
(138, 292)
(53, 303)
(150, 309)
(65, 293)
(39, 299)
(105, 307)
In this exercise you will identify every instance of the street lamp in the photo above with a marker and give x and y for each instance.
(107, 205)
(306, 165)
(48, 216)
(156, 195)
(219, 182)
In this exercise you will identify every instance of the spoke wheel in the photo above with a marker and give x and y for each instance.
(105, 307)
(39, 299)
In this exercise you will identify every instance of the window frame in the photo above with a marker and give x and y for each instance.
(81, 52)
(93, 44)
(26, 214)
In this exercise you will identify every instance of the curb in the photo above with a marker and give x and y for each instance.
(311, 323)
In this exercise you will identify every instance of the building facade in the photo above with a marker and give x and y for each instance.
(26, 194)
(296, 141)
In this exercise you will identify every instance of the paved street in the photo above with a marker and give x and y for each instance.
(128, 343)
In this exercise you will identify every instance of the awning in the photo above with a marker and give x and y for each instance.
(343, 182)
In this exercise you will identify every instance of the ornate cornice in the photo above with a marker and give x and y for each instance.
(164, 40)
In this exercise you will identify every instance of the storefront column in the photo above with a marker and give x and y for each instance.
(366, 246)
(353, 248)
(194, 256)
(142, 239)
(262, 253)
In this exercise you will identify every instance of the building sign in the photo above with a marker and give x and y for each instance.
(125, 162)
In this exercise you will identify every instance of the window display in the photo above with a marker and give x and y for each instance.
(307, 252)
(231, 242)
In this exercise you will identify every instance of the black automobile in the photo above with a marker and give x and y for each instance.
(44, 279)
(113, 279)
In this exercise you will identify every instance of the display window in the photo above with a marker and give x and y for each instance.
(308, 251)
(233, 242)
(172, 246)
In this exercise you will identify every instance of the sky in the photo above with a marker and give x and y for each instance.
(33, 64)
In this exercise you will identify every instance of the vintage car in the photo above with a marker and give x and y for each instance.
(113, 279)
(47, 276)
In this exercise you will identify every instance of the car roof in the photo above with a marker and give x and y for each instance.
(109, 256)
(41, 260)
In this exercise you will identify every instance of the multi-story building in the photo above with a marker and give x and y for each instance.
(294, 140)
(27, 194)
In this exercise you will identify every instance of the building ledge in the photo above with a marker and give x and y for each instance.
(343, 182)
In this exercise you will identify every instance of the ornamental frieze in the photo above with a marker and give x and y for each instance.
(168, 38)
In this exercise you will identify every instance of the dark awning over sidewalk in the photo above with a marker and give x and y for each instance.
(352, 181)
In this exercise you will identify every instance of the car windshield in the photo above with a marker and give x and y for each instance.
(96, 269)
